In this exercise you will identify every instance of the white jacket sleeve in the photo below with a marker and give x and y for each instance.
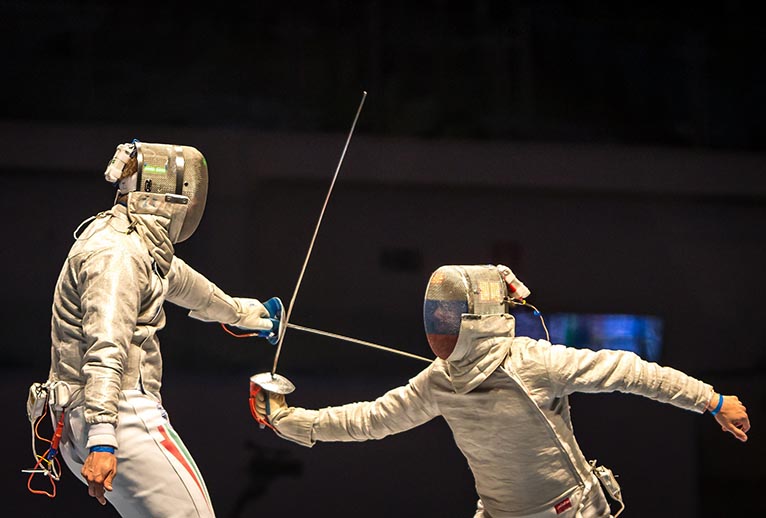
(398, 410)
(582, 370)
(108, 282)
(192, 290)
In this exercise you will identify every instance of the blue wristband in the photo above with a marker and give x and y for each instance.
(718, 407)
(107, 449)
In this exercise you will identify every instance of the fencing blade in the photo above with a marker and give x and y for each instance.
(357, 341)
(313, 238)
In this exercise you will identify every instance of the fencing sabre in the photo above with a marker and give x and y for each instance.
(275, 309)
(357, 341)
(271, 381)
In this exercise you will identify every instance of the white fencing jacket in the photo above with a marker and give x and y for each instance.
(107, 310)
(505, 399)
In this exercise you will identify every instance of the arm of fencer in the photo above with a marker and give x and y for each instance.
(109, 283)
(400, 409)
(582, 370)
(192, 290)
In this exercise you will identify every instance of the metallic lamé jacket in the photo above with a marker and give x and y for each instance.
(505, 400)
(108, 308)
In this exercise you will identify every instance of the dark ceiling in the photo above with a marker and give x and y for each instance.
(544, 70)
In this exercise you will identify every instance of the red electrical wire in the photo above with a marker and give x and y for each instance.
(235, 335)
(49, 463)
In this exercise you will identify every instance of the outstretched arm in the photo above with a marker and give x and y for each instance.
(583, 370)
(398, 410)
(192, 290)
(731, 414)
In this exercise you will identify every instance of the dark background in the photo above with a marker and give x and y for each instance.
(612, 156)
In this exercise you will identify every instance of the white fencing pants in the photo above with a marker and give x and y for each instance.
(156, 476)
(592, 505)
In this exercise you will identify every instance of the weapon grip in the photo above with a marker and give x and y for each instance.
(254, 390)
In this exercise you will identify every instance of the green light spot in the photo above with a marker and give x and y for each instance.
(154, 169)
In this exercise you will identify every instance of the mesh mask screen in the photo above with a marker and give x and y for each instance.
(453, 291)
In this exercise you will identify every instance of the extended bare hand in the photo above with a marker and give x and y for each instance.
(732, 416)
(99, 471)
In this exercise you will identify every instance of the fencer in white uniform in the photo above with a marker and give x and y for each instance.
(107, 311)
(505, 399)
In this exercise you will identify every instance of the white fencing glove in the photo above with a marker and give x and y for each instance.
(252, 315)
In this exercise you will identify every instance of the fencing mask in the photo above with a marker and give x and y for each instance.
(455, 290)
(178, 174)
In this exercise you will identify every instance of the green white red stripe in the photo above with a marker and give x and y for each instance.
(172, 443)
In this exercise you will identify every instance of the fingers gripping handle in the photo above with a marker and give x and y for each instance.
(276, 309)
(254, 390)
(269, 383)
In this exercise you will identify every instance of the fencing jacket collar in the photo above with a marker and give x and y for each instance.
(481, 348)
(151, 219)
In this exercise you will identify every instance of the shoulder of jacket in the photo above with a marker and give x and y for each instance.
(525, 350)
(108, 241)
(436, 367)
(431, 374)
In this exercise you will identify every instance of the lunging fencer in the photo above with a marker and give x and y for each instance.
(106, 365)
(505, 398)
